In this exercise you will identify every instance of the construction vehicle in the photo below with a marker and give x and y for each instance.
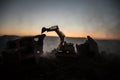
(64, 48)
(90, 46)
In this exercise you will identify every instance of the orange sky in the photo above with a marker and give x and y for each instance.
(67, 33)
(75, 18)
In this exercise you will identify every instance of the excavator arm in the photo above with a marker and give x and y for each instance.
(59, 33)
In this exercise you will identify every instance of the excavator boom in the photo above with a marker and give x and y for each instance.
(56, 29)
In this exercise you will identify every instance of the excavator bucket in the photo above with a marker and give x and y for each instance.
(43, 30)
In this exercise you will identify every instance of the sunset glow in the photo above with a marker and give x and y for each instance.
(75, 18)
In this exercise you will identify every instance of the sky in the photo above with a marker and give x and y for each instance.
(75, 18)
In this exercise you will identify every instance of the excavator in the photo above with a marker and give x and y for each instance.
(63, 47)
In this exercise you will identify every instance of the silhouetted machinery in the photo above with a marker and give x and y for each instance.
(23, 48)
(89, 48)
(32, 47)
(64, 48)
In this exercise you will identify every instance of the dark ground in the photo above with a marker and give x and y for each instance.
(102, 67)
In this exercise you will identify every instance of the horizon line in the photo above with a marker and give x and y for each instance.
(58, 36)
